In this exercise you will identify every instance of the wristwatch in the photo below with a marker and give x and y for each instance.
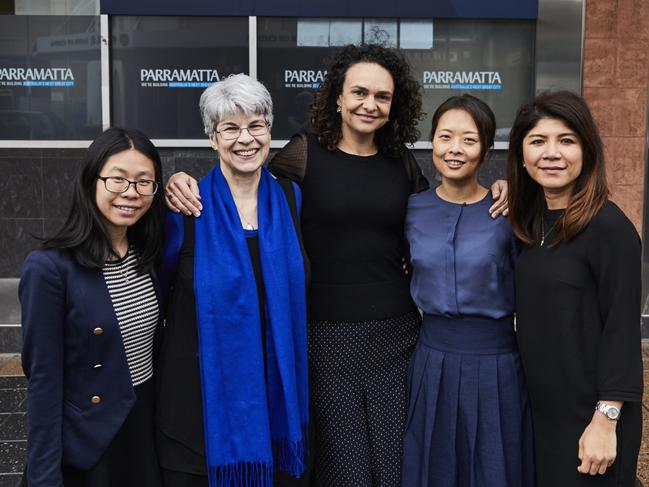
(611, 412)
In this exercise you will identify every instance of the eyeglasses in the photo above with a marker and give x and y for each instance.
(256, 129)
(116, 184)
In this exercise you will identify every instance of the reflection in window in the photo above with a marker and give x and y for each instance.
(493, 60)
(57, 7)
(161, 65)
(50, 86)
(416, 34)
(380, 31)
(325, 33)
(409, 34)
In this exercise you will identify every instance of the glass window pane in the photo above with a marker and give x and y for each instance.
(345, 31)
(161, 65)
(50, 83)
(493, 60)
(313, 33)
(416, 34)
(57, 7)
(380, 31)
(291, 63)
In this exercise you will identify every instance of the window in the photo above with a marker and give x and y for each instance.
(493, 60)
(56, 7)
(50, 81)
(161, 65)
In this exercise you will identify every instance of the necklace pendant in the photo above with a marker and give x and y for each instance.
(542, 241)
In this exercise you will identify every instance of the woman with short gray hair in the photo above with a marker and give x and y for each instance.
(232, 394)
(236, 93)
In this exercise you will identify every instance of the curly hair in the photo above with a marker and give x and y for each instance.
(405, 111)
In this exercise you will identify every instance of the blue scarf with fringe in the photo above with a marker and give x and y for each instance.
(253, 424)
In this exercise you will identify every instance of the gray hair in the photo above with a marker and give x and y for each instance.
(238, 93)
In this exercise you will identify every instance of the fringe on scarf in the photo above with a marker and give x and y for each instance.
(288, 456)
(241, 474)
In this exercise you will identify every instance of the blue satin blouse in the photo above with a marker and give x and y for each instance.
(462, 259)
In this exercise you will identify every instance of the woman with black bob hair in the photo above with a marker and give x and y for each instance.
(89, 315)
(469, 420)
(356, 175)
(577, 298)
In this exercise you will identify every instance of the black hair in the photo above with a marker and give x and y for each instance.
(84, 234)
(481, 114)
(405, 110)
(526, 196)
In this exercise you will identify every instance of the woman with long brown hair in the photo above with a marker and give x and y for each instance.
(577, 298)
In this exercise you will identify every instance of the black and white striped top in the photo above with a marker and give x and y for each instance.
(136, 308)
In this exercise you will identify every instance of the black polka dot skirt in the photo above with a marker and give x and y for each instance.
(358, 384)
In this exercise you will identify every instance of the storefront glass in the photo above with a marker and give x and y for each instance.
(493, 60)
(161, 65)
(50, 77)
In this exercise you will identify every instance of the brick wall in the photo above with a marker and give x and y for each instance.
(616, 85)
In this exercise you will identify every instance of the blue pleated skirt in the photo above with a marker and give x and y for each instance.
(469, 423)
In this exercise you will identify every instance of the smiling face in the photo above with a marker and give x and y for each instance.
(456, 146)
(365, 100)
(243, 156)
(121, 210)
(553, 157)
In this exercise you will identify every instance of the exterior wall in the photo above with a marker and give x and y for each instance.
(35, 184)
(35, 190)
(616, 85)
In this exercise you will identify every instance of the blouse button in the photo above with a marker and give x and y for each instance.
(98, 331)
(95, 399)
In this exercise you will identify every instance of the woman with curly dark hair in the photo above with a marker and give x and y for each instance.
(356, 176)
(404, 113)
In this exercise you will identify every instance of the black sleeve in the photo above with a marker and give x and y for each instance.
(615, 259)
(290, 162)
(418, 181)
(287, 187)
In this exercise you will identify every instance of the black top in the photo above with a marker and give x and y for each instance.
(353, 216)
(180, 415)
(578, 328)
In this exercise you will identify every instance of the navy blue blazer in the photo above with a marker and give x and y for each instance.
(80, 388)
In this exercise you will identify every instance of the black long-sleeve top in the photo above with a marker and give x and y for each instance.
(578, 328)
(353, 215)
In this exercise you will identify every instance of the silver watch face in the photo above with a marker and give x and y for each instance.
(613, 413)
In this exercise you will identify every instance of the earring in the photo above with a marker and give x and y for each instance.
(524, 165)
(338, 109)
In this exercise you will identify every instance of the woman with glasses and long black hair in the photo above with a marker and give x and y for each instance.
(89, 316)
